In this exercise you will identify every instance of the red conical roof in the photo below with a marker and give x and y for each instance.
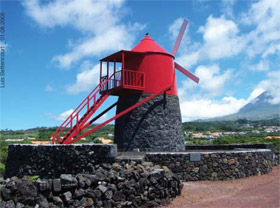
(147, 44)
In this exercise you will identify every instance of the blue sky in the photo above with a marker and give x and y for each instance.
(52, 52)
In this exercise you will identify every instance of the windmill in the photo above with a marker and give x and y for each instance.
(148, 113)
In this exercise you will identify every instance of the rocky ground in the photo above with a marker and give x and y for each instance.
(255, 192)
(117, 185)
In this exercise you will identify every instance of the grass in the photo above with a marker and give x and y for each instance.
(32, 178)
(16, 136)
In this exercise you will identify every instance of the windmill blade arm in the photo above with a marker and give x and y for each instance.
(187, 73)
(179, 38)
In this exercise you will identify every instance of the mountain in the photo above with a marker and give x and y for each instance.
(258, 109)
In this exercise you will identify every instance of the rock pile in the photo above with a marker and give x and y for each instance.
(116, 185)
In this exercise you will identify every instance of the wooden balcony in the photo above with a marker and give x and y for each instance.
(124, 81)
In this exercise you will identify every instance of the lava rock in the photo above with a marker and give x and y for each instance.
(67, 196)
(56, 185)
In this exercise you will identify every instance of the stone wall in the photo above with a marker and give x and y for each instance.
(223, 165)
(154, 126)
(54, 160)
(276, 151)
(229, 146)
(276, 157)
(116, 185)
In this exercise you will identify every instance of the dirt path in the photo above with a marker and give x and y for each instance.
(254, 192)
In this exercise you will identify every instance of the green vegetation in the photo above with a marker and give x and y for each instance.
(242, 139)
(224, 126)
(198, 141)
(32, 178)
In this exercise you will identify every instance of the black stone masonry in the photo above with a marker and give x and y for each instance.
(53, 160)
(153, 126)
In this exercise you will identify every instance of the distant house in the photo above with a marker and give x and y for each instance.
(110, 135)
(216, 134)
(103, 140)
(198, 135)
(40, 142)
(14, 140)
(106, 141)
(248, 126)
(268, 130)
(272, 137)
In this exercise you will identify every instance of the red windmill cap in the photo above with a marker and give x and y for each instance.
(147, 44)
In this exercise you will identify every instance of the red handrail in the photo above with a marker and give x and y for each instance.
(71, 117)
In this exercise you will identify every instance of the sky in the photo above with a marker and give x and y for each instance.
(53, 48)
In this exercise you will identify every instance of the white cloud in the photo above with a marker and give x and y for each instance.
(197, 102)
(221, 40)
(272, 85)
(175, 27)
(203, 108)
(102, 119)
(87, 79)
(99, 21)
(227, 7)
(208, 108)
(211, 81)
(263, 65)
(62, 116)
(115, 38)
(85, 15)
(48, 88)
(189, 59)
(273, 49)
(264, 15)
(201, 102)
(255, 93)
(211, 78)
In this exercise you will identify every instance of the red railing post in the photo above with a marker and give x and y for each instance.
(107, 74)
(122, 69)
(77, 122)
(114, 73)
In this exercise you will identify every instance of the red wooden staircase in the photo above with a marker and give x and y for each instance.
(70, 130)
(79, 118)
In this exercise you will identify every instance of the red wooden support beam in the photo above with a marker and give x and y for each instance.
(187, 73)
(179, 38)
